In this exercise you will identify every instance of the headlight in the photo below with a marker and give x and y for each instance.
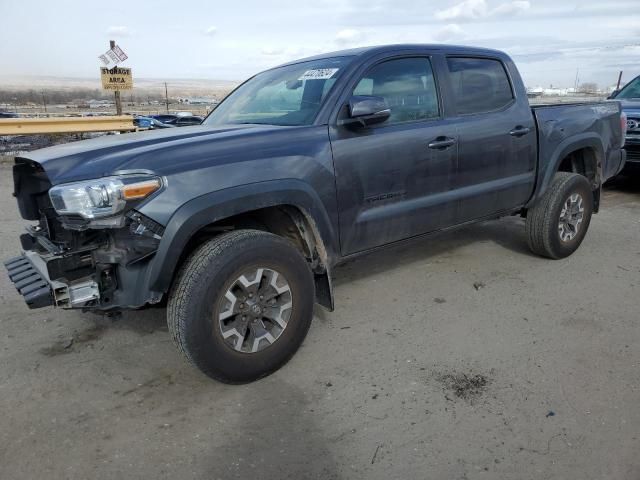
(103, 197)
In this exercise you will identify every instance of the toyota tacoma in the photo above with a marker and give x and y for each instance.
(237, 224)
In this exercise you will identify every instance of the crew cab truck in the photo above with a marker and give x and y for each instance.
(238, 223)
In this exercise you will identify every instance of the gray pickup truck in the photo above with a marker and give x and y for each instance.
(237, 224)
(629, 97)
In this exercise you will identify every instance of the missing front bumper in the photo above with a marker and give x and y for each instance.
(28, 273)
(29, 282)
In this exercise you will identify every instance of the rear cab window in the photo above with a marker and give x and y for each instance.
(480, 85)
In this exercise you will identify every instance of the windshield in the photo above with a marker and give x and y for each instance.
(630, 90)
(289, 95)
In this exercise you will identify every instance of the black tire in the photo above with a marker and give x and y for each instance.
(203, 280)
(543, 219)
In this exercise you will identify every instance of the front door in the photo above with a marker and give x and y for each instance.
(394, 179)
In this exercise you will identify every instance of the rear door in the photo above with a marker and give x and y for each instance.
(497, 144)
(393, 179)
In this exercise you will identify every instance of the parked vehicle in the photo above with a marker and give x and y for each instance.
(150, 123)
(239, 222)
(188, 121)
(180, 119)
(8, 115)
(165, 118)
(629, 96)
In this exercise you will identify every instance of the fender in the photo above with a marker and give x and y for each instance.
(568, 145)
(215, 206)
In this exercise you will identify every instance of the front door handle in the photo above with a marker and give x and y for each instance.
(441, 143)
(519, 131)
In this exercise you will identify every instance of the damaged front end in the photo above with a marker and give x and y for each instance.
(89, 247)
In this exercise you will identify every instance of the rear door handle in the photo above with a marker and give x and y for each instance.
(441, 143)
(519, 131)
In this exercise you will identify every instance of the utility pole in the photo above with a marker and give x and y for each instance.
(112, 44)
(619, 80)
(44, 101)
(166, 96)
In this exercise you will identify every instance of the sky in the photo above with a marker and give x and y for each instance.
(550, 40)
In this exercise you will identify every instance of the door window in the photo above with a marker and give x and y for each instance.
(479, 85)
(407, 85)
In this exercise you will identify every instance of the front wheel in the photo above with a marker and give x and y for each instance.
(242, 305)
(558, 223)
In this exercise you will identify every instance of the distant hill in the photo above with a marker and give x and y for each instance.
(176, 87)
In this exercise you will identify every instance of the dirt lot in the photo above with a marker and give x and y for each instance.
(460, 357)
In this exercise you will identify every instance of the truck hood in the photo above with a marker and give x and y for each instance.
(631, 106)
(159, 151)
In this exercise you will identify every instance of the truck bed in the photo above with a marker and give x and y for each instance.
(599, 121)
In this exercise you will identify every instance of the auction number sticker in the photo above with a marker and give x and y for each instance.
(318, 74)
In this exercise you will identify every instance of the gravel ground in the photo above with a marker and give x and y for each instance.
(460, 357)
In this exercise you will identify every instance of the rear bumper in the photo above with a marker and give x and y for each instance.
(30, 276)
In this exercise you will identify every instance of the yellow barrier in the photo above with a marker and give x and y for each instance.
(33, 126)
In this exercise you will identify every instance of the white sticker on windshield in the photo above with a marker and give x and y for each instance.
(318, 74)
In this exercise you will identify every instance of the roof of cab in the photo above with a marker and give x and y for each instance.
(373, 50)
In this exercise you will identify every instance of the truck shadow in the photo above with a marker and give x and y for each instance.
(272, 433)
(265, 429)
(144, 321)
(623, 184)
(508, 232)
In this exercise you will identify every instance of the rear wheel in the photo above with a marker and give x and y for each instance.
(558, 223)
(242, 305)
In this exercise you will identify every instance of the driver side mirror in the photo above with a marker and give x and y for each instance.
(366, 110)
